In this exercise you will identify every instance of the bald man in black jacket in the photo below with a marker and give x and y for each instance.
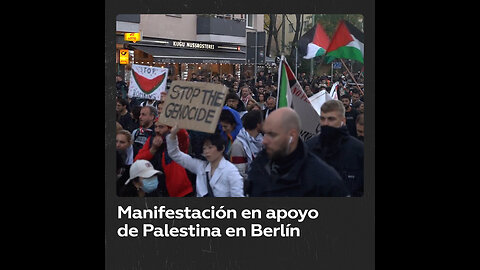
(286, 168)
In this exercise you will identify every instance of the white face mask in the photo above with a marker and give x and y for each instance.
(150, 184)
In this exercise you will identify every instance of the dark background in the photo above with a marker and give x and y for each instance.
(343, 237)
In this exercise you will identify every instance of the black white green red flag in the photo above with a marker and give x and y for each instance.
(314, 43)
(291, 94)
(347, 43)
(286, 78)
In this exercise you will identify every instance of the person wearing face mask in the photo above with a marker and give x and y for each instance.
(338, 148)
(216, 176)
(154, 150)
(144, 181)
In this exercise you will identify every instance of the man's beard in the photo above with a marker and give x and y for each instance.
(279, 154)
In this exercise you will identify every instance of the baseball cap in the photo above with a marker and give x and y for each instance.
(142, 168)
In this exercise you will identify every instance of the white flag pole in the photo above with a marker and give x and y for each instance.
(280, 65)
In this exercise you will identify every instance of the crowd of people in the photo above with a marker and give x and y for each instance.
(256, 149)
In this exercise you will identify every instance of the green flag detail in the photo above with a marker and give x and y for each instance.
(284, 87)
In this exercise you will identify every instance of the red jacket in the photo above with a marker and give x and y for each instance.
(176, 178)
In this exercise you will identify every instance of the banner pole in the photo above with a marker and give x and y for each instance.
(296, 64)
(353, 78)
(280, 67)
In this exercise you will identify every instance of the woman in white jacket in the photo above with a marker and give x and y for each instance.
(216, 177)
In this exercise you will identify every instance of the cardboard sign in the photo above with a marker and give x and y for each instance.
(147, 82)
(194, 105)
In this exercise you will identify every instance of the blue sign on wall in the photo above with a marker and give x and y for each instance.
(337, 65)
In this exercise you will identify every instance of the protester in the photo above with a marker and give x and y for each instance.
(146, 129)
(154, 150)
(245, 95)
(229, 125)
(355, 95)
(358, 106)
(163, 96)
(122, 172)
(360, 127)
(308, 91)
(125, 146)
(160, 106)
(271, 106)
(273, 90)
(261, 76)
(136, 115)
(336, 147)
(253, 106)
(124, 118)
(261, 101)
(248, 143)
(144, 181)
(124, 151)
(350, 115)
(194, 77)
(122, 88)
(216, 177)
(118, 126)
(286, 168)
(233, 101)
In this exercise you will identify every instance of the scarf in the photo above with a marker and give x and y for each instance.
(283, 165)
(251, 145)
(330, 140)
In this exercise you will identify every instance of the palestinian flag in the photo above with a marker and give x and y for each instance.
(291, 94)
(314, 43)
(347, 43)
(286, 79)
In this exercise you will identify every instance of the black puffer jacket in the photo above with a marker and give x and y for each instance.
(304, 175)
(345, 154)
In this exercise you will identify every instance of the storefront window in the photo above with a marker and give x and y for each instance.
(249, 20)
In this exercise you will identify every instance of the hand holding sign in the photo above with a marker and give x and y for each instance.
(174, 131)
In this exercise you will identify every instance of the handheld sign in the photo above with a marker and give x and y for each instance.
(194, 105)
(147, 82)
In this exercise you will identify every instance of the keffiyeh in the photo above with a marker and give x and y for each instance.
(251, 145)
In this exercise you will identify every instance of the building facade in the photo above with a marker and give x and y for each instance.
(205, 44)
